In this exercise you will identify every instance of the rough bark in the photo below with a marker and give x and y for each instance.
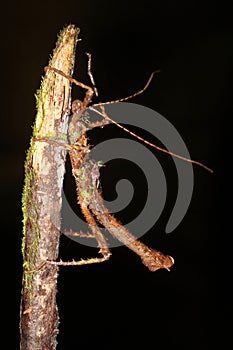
(44, 172)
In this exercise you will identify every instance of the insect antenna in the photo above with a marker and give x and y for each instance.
(104, 114)
(131, 96)
(92, 91)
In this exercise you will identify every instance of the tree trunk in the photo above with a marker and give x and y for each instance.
(44, 172)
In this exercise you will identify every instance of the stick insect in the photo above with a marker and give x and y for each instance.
(86, 175)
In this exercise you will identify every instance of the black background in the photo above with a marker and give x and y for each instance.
(120, 304)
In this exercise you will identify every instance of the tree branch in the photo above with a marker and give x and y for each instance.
(44, 172)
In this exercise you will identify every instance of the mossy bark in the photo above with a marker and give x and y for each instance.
(44, 172)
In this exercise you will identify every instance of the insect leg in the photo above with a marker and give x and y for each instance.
(97, 234)
(104, 250)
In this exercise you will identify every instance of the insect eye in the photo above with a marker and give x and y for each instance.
(76, 106)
